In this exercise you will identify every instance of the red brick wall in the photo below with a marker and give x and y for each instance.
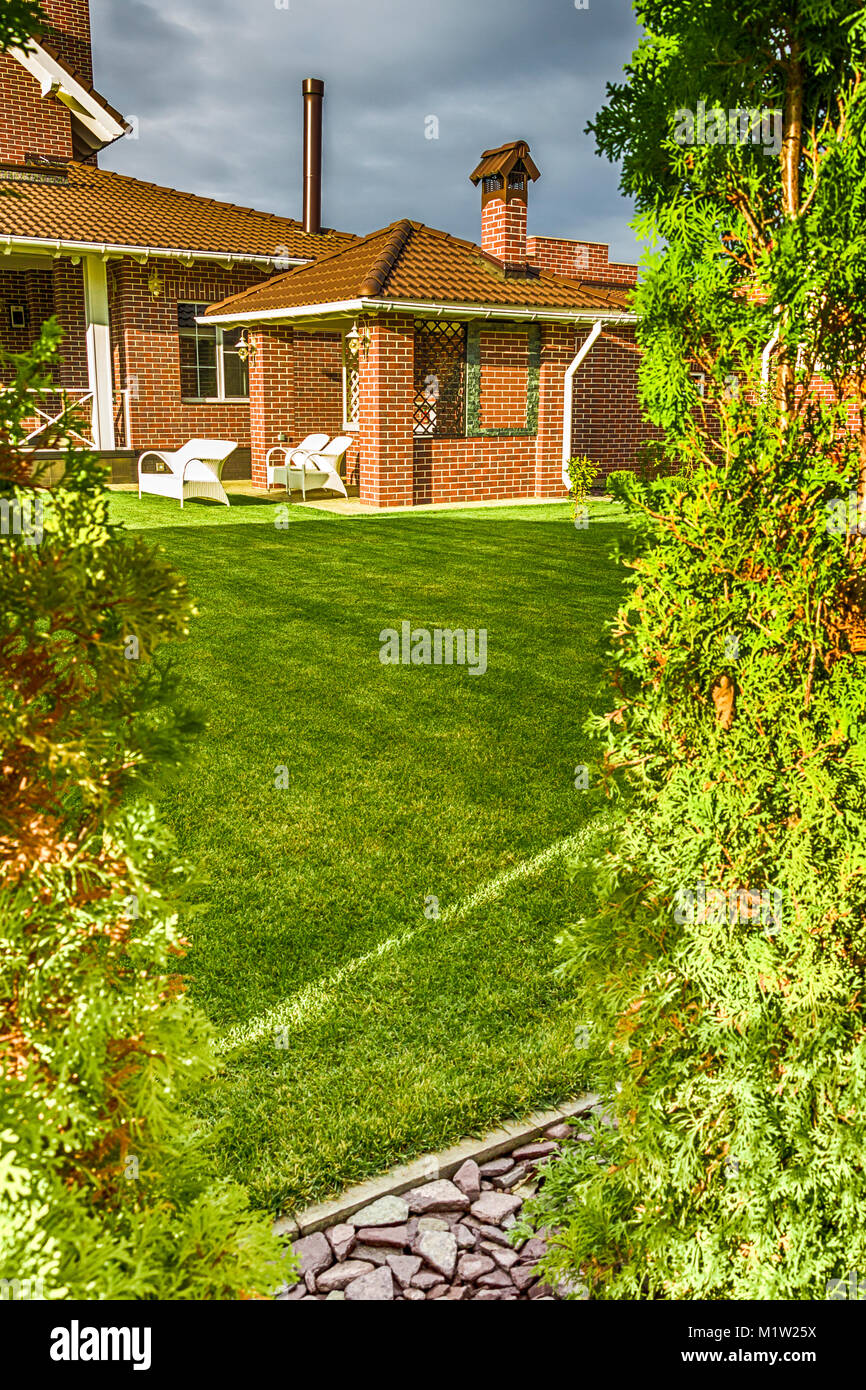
(147, 353)
(69, 22)
(272, 395)
(318, 384)
(503, 230)
(31, 123)
(504, 375)
(57, 291)
(69, 311)
(472, 470)
(579, 260)
(607, 424)
(387, 392)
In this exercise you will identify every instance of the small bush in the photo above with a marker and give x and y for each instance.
(106, 1190)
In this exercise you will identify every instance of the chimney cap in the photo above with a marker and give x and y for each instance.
(503, 159)
(313, 86)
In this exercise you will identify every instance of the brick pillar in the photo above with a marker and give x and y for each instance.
(272, 395)
(558, 349)
(387, 394)
(69, 312)
(503, 230)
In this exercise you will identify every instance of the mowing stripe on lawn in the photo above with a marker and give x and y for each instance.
(304, 1006)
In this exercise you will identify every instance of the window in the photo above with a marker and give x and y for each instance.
(210, 367)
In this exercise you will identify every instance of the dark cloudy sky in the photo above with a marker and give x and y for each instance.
(215, 88)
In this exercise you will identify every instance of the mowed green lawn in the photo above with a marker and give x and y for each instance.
(358, 1027)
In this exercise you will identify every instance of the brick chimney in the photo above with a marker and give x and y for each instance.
(68, 30)
(505, 174)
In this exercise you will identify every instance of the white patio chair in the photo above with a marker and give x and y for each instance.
(320, 469)
(277, 472)
(193, 471)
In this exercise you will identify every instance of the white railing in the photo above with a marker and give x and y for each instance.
(72, 400)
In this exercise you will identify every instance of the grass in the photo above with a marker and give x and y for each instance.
(358, 1028)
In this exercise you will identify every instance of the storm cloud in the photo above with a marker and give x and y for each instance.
(214, 87)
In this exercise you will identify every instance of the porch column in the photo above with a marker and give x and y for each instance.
(557, 354)
(99, 366)
(272, 395)
(386, 434)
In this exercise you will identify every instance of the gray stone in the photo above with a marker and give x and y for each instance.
(394, 1237)
(376, 1254)
(293, 1294)
(572, 1288)
(372, 1288)
(426, 1279)
(468, 1179)
(439, 1249)
(496, 1279)
(561, 1130)
(535, 1249)
(414, 1295)
(541, 1291)
(339, 1276)
(496, 1166)
(438, 1291)
(313, 1253)
(431, 1223)
(535, 1151)
(488, 1233)
(522, 1276)
(487, 1296)
(506, 1259)
(471, 1267)
(466, 1239)
(342, 1239)
(405, 1267)
(437, 1196)
(333, 1297)
(512, 1177)
(456, 1294)
(495, 1207)
(387, 1211)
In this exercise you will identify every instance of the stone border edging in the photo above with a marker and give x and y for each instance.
(426, 1169)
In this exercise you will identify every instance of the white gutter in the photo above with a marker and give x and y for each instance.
(765, 356)
(568, 399)
(362, 306)
(60, 247)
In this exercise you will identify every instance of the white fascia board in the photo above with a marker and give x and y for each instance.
(62, 247)
(468, 311)
(54, 78)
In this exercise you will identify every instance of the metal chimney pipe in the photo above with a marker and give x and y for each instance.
(314, 91)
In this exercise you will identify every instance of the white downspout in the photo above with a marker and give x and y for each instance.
(568, 398)
(765, 356)
(99, 364)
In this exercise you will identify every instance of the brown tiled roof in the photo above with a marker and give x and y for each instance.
(503, 159)
(410, 262)
(100, 207)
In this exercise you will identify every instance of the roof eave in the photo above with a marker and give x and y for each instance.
(422, 308)
(63, 246)
(53, 77)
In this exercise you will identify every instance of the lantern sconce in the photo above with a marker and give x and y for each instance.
(155, 284)
(359, 340)
(245, 347)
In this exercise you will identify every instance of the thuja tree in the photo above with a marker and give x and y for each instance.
(106, 1191)
(722, 970)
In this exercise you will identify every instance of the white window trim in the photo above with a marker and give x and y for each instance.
(220, 398)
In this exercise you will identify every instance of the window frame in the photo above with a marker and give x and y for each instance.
(219, 335)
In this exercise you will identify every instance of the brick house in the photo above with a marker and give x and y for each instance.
(452, 366)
